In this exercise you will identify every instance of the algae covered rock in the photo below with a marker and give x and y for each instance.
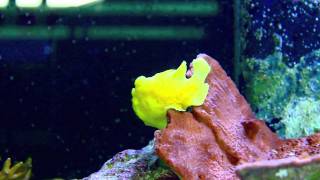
(287, 98)
(301, 117)
(308, 74)
(133, 164)
(269, 85)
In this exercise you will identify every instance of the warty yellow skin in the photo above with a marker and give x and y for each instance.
(153, 96)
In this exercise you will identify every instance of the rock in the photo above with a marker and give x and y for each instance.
(213, 139)
(285, 169)
(134, 164)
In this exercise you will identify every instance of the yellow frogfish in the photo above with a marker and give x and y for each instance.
(153, 96)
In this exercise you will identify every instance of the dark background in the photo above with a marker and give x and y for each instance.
(67, 103)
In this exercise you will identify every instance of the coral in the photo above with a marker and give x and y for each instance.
(19, 171)
(212, 140)
(152, 97)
